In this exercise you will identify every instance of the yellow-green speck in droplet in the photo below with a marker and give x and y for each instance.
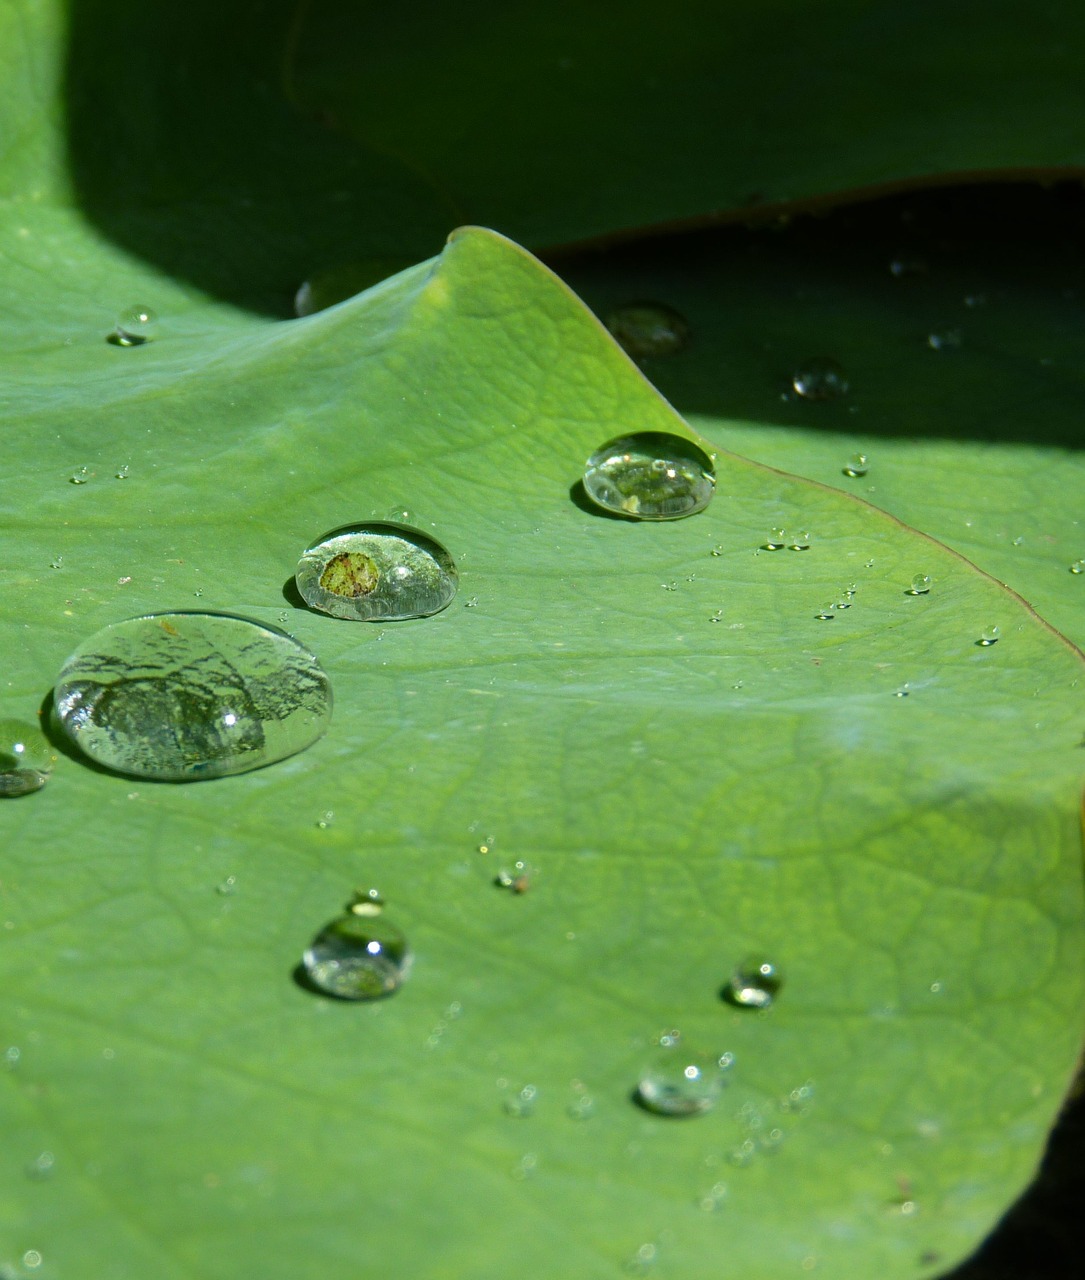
(857, 465)
(26, 758)
(820, 378)
(650, 475)
(648, 329)
(183, 696)
(358, 957)
(677, 1082)
(989, 636)
(754, 984)
(135, 326)
(920, 585)
(379, 572)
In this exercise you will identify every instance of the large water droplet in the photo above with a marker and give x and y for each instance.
(677, 1082)
(820, 378)
(135, 326)
(377, 573)
(857, 465)
(26, 758)
(650, 476)
(183, 696)
(648, 329)
(754, 984)
(361, 955)
(920, 584)
(989, 636)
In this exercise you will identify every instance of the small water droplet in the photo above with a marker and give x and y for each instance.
(582, 1107)
(902, 692)
(717, 616)
(79, 476)
(650, 476)
(857, 465)
(717, 550)
(907, 265)
(135, 326)
(713, 1198)
(820, 378)
(517, 879)
(32, 1259)
(945, 340)
(989, 636)
(799, 542)
(826, 613)
(776, 541)
(227, 887)
(121, 473)
(678, 1082)
(326, 819)
(643, 1260)
(41, 1167)
(869, 564)
(377, 572)
(648, 329)
(472, 603)
(184, 696)
(920, 585)
(26, 758)
(1078, 566)
(754, 984)
(1018, 541)
(367, 902)
(358, 957)
(522, 1103)
(57, 562)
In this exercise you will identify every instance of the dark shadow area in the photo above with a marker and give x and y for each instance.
(292, 595)
(578, 495)
(189, 147)
(953, 312)
(59, 740)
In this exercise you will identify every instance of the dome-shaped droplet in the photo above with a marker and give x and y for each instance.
(650, 476)
(820, 378)
(377, 573)
(1078, 566)
(857, 465)
(989, 636)
(676, 1082)
(921, 584)
(135, 326)
(648, 329)
(359, 956)
(183, 696)
(754, 984)
(26, 758)
(776, 541)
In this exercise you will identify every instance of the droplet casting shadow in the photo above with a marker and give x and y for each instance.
(59, 740)
(292, 595)
(579, 496)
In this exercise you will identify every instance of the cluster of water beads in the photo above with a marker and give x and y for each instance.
(920, 585)
(779, 538)
(646, 329)
(380, 572)
(26, 758)
(361, 955)
(676, 1081)
(650, 475)
(135, 326)
(989, 636)
(183, 696)
(820, 378)
(857, 465)
(754, 984)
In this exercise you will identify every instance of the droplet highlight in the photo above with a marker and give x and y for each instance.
(650, 476)
(179, 697)
(646, 329)
(361, 955)
(26, 758)
(820, 378)
(135, 326)
(754, 984)
(377, 573)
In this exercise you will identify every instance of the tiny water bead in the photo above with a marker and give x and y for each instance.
(799, 542)
(521, 1104)
(361, 955)
(857, 465)
(676, 1082)
(820, 378)
(650, 475)
(920, 584)
(381, 572)
(516, 879)
(754, 984)
(826, 613)
(26, 758)
(989, 636)
(776, 541)
(183, 696)
(1078, 566)
(648, 329)
(945, 340)
(135, 326)
(79, 476)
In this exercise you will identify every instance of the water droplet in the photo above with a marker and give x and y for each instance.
(826, 613)
(521, 1104)
(377, 572)
(32, 1259)
(121, 473)
(799, 542)
(669, 586)
(907, 265)
(989, 636)
(41, 1167)
(754, 984)
(358, 957)
(472, 603)
(1078, 566)
(26, 758)
(516, 880)
(920, 585)
(677, 1082)
(946, 340)
(227, 887)
(57, 562)
(717, 616)
(80, 476)
(643, 1260)
(582, 1106)
(650, 476)
(776, 541)
(367, 902)
(820, 378)
(714, 1197)
(648, 329)
(135, 326)
(857, 465)
(183, 696)
(902, 692)
(1018, 541)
